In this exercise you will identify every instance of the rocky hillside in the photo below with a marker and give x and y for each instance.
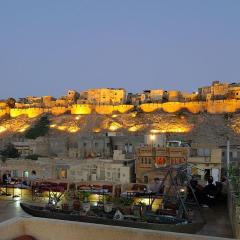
(200, 128)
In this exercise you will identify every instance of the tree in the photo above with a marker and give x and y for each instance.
(10, 152)
(41, 128)
(11, 102)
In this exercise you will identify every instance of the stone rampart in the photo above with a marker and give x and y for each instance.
(30, 112)
(58, 110)
(4, 111)
(212, 107)
(123, 108)
(81, 109)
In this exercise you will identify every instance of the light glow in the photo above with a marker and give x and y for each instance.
(152, 137)
(114, 126)
(62, 128)
(73, 129)
(2, 129)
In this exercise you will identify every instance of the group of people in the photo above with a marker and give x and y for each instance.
(207, 196)
(210, 194)
(7, 179)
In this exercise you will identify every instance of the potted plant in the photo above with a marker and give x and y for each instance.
(139, 209)
(108, 204)
(124, 204)
(68, 200)
(76, 201)
(85, 203)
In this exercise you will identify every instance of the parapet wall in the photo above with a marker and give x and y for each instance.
(4, 111)
(51, 229)
(100, 109)
(212, 107)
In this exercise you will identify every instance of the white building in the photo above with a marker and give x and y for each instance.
(119, 171)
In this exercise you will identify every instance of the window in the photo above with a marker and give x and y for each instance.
(25, 174)
(145, 179)
(15, 173)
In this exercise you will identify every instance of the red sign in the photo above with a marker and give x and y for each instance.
(160, 160)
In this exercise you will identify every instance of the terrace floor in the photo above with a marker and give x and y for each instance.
(217, 222)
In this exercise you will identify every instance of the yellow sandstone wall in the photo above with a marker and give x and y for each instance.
(212, 107)
(81, 109)
(150, 107)
(104, 109)
(171, 107)
(4, 111)
(30, 112)
(223, 106)
(58, 110)
(123, 108)
(195, 107)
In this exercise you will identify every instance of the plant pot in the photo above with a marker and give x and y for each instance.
(65, 207)
(85, 206)
(76, 205)
(137, 210)
(108, 207)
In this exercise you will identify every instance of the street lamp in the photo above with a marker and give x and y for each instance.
(152, 138)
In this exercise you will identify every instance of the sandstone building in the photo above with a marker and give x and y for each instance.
(151, 159)
(104, 96)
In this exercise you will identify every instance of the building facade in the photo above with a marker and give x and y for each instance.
(151, 159)
(205, 162)
(112, 96)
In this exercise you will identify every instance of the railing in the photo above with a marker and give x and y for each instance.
(234, 211)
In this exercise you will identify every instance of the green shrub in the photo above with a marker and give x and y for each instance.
(32, 157)
(41, 128)
(9, 152)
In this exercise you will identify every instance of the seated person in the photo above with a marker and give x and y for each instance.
(197, 190)
(209, 192)
(32, 178)
(156, 186)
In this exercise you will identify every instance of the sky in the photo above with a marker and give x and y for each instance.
(48, 47)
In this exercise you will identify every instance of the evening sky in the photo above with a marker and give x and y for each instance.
(48, 47)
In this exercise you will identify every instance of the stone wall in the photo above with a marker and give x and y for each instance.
(58, 110)
(4, 111)
(81, 109)
(100, 109)
(212, 107)
(30, 112)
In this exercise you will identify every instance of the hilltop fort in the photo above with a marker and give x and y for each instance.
(216, 99)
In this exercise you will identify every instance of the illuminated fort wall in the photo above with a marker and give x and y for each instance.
(4, 111)
(212, 107)
(100, 109)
